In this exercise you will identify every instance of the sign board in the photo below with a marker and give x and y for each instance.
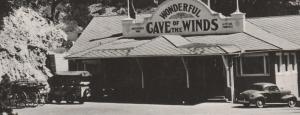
(183, 17)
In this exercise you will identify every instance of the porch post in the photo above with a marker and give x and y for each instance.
(232, 82)
(186, 72)
(142, 71)
(84, 66)
(229, 76)
(77, 68)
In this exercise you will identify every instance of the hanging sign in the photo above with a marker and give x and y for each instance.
(183, 17)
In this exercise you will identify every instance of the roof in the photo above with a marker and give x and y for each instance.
(98, 28)
(103, 39)
(243, 41)
(271, 38)
(286, 27)
(159, 46)
(264, 84)
(73, 73)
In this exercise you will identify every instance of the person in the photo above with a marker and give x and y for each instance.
(5, 88)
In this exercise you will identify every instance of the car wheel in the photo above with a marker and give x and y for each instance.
(259, 103)
(81, 101)
(49, 101)
(292, 102)
(70, 101)
(246, 104)
(58, 101)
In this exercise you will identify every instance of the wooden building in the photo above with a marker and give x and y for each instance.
(186, 51)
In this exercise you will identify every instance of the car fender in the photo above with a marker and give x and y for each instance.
(286, 97)
(256, 96)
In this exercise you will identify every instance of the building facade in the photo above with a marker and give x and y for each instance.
(185, 51)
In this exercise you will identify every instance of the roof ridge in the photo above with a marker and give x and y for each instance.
(176, 44)
(108, 15)
(262, 40)
(89, 49)
(144, 43)
(292, 15)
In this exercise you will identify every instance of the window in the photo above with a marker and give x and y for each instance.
(272, 89)
(254, 65)
(256, 87)
(278, 62)
(285, 62)
(292, 60)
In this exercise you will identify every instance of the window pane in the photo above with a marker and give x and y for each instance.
(238, 67)
(285, 62)
(278, 62)
(273, 88)
(256, 87)
(267, 62)
(292, 60)
(253, 65)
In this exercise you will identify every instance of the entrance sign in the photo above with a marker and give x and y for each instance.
(183, 17)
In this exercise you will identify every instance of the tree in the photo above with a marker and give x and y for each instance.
(25, 41)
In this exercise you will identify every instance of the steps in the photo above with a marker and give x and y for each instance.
(217, 99)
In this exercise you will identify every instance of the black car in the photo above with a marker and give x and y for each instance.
(69, 86)
(261, 93)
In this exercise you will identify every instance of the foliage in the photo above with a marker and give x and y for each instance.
(257, 8)
(25, 41)
(81, 11)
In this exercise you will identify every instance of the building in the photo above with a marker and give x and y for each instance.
(186, 51)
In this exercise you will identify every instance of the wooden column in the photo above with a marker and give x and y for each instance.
(229, 76)
(186, 72)
(142, 71)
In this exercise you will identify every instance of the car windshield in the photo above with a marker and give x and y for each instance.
(256, 87)
(272, 88)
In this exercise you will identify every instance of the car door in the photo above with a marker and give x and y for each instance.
(274, 94)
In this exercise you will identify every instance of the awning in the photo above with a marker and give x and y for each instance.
(175, 45)
(73, 73)
(159, 46)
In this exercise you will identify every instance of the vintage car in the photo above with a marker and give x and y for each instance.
(69, 86)
(261, 93)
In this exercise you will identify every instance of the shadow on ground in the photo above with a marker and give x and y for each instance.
(277, 105)
(158, 101)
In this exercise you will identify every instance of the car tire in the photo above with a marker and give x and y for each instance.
(292, 103)
(49, 101)
(246, 104)
(259, 103)
(58, 101)
(81, 101)
(70, 101)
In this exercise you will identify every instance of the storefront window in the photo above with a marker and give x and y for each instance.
(254, 65)
(278, 62)
(285, 61)
(292, 60)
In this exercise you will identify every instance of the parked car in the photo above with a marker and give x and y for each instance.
(261, 93)
(69, 86)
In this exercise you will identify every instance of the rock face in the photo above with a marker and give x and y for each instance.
(25, 41)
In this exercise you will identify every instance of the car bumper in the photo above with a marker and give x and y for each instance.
(243, 101)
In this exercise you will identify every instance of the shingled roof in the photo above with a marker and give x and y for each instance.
(285, 27)
(103, 39)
